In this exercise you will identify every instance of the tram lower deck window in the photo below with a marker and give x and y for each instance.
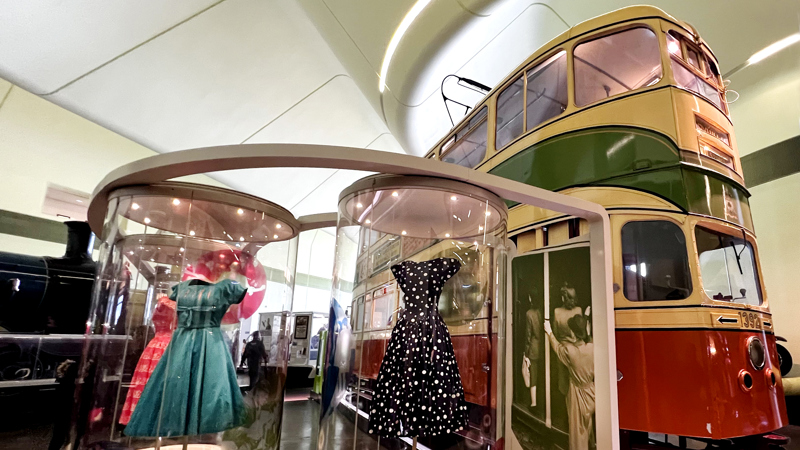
(655, 262)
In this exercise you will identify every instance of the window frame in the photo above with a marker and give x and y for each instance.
(448, 146)
(611, 32)
(563, 48)
(539, 64)
(724, 228)
(689, 260)
(706, 75)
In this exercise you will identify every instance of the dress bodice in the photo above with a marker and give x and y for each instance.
(164, 315)
(201, 304)
(422, 282)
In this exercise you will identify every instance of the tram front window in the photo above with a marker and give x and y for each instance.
(727, 267)
(615, 64)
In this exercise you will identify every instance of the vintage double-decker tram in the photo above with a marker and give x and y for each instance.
(467, 305)
(628, 110)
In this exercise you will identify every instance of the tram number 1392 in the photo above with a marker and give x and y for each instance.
(750, 320)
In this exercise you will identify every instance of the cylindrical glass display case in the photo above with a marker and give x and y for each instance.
(173, 354)
(417, 316)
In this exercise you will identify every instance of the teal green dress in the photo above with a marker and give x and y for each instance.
(193, 389)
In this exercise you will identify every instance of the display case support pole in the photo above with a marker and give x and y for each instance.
(415, 443)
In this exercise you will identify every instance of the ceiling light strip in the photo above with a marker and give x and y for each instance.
(398, 34)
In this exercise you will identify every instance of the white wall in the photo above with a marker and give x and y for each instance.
(42, 143)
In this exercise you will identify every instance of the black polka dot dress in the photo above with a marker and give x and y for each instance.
(419, 391)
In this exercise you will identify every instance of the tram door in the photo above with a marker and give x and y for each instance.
(553, 376)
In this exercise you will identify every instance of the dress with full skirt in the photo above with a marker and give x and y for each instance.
(419, 390)
(193, 389)
(164, 322)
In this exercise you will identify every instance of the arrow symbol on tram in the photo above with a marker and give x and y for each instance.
(723, 320)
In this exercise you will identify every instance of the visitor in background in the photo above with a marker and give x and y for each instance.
(254, 353)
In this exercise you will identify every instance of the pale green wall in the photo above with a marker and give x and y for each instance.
(43, 143)
(768, 112)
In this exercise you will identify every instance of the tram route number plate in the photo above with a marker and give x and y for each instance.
(750, 320)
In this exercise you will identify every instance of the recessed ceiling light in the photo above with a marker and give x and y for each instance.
(404, 233)
(359, 205)
(191, 233)
(480, 228)
(135, 206)
(274, 236)
(488, 213)
(367, 221)
(395, 194)
(182, 249)
(176, 202)
(241, 239)
(240, 211)
(278, 226)
(447, 235)
(146, 220)
(453, 198)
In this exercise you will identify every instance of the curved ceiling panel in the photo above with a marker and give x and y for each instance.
(486, 39)
(46, 44)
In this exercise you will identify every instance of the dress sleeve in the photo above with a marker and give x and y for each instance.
(399, 272)
(173, 294)
(450, 266)
(234, 292)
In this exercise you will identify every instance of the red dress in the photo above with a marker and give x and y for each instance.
(164, 322)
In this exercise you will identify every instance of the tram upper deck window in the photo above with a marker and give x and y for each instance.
(510, 104)
(358, 317)
(615, 64)
(727, 267)
(547, 90)
(703, 79)
(655, 262)
(468, 146)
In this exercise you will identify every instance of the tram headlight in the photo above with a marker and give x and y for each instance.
(756, 352)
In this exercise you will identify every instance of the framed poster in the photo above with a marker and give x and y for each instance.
(301, 324)
(552, 398)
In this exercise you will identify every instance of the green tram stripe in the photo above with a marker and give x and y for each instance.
(629, 158)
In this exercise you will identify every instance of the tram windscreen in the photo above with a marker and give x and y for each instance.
(727, 267)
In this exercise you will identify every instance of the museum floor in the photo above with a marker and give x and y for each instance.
(299, 430)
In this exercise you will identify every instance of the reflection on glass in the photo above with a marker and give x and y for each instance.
(509, 113)
(468, 147)
(727, 267)
(178, 296)
(547, 90)
(654, 260)
(425, 364)
(686, 79)
(615, 64)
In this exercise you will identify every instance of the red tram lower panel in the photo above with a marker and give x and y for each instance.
(472, 353)
(690, 382)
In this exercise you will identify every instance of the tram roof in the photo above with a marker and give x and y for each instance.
(622, 15)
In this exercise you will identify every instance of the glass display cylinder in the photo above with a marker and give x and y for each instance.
(173, 355)
(417, 316)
